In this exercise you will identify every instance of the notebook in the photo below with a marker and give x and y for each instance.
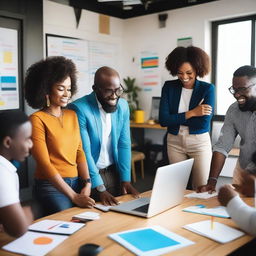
(218, 231)
(168, 191)
(219, 211)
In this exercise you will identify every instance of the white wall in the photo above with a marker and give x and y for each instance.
(140, 33)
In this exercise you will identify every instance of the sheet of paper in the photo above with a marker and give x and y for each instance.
(150, 241)
(204, 195)
(33, 243)
(218, 231)
(219, 211)
(56, 227)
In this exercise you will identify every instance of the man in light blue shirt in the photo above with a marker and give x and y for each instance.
(105, 130)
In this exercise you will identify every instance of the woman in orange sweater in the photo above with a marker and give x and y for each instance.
(61, 177)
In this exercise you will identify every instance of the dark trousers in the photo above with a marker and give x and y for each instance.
(111, 180)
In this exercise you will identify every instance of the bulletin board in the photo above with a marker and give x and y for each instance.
(10, 91)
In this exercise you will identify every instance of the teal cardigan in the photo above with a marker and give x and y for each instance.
(169, 105)
(90, 123)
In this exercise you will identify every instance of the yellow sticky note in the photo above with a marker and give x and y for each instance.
(7, 57)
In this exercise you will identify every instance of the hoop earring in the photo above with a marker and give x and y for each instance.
(48, 103)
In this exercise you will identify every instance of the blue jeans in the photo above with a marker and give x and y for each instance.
(50, 199)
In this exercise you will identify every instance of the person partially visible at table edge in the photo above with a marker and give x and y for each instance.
(15, 145)
(241, 213)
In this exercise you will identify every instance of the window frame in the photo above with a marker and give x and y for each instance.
(215, 25)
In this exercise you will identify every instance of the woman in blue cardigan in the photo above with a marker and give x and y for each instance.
(186, 108)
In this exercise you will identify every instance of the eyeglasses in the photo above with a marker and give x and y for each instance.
(233, 90)
(109, 92)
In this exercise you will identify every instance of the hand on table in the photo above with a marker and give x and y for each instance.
(107, 199)
(83, 201)
(127, 188)
(208, 187)
(226, 193)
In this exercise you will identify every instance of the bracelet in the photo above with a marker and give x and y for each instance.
(213, 178)
(85, 181)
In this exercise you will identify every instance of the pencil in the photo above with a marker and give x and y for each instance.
(212, 222)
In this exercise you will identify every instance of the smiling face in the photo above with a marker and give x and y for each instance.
(246, 98)
(187, 75)
(61, 93)
(21, 143)
(107, 92)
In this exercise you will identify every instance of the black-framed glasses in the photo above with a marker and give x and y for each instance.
(109, 92)
(233, 90)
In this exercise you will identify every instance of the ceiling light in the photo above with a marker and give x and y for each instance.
(127, 7)
(131, 2)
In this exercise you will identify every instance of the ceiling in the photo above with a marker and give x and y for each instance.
(116, 8)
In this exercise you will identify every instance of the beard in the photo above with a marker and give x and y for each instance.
(249, 105)
(106, 106)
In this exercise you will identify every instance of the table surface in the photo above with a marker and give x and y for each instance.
(147, 126)
(111, 222)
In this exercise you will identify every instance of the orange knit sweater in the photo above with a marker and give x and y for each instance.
(57, 144)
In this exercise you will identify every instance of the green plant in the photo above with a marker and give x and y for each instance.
(131, 91)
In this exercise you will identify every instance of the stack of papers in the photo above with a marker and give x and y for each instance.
(215, 231)
(219, 211)
(204, 195)
(150, 241)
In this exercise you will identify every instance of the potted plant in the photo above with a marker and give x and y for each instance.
(131, 91)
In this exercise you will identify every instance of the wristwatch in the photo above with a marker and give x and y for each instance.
(101, 188)
(85, 181)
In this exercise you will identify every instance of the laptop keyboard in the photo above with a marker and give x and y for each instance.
(143, 208)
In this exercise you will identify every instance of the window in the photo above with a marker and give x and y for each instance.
(233, 45)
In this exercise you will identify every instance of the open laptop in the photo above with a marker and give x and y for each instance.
(168, 191)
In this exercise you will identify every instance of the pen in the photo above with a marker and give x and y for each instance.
(212, 222)
(201, 101)
(53, 226)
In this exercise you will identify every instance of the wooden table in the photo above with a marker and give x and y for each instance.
(111, 222)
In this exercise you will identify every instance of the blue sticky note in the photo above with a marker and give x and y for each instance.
(148, 239)
(64, 226)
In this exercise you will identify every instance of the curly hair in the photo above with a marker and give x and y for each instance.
(197, 58)
(42, 75)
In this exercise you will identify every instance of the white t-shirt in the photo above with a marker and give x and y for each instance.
(105, 158)
(9, 183)
(184, 103)
(242, 214)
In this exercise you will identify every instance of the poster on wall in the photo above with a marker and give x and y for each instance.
(9, 80)
(150, 73)
(102, 54)
(76, 50)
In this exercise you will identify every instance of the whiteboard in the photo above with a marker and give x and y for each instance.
(9, 80)
(88, 56)
(76, 50)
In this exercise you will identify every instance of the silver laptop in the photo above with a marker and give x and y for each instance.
(168, 191)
